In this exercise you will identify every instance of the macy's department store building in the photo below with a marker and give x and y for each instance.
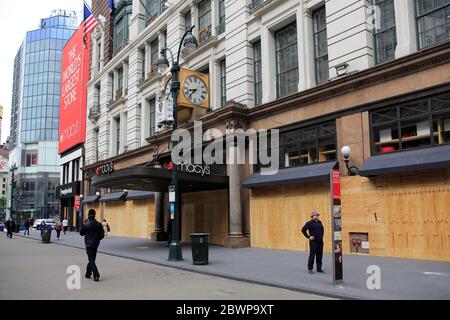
(396, 119)
(315, 70)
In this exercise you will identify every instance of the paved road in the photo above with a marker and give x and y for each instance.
(32, 270)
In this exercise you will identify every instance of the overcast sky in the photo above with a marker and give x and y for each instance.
(16, 18)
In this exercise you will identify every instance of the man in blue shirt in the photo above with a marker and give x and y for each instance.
(315, 236)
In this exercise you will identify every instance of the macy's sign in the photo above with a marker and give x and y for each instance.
(203, 170)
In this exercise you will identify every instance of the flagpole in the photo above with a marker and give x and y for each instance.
(99, 23)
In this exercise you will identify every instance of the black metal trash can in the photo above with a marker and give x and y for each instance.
(199, 244)
(46, 235)
(17, 228)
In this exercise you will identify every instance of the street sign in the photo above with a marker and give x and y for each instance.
(18, 197)
(172, 200)
(336, 225)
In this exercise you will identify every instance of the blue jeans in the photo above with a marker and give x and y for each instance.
(27, 230)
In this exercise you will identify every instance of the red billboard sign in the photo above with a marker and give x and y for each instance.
(74, 78)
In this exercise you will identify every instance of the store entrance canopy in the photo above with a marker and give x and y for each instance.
(158, 180)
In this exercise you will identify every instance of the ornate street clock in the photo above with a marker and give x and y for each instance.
(195, 90)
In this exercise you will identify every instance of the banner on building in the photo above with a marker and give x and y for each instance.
(76, 204)
(336, 224)
(74, 78)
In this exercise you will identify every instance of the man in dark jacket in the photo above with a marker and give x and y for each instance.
(27, 227)
(93, 232)
(315, 236)
(10, 227)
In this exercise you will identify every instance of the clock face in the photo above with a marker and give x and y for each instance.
(195, 90)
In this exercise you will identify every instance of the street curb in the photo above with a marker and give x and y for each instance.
(230, 277)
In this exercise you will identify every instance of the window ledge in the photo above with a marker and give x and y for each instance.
(262, 8)
(113, 104)
(144, 83)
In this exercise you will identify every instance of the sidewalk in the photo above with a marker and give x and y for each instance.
(400, 278)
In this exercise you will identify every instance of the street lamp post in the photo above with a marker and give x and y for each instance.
(11, 208)
(352, 170)
(190, 44)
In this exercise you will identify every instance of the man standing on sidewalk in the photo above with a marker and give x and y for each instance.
(93, 232)
(315, 236)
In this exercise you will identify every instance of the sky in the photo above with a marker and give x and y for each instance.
(16, 18)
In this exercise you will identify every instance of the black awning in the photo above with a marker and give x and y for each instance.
(116, 196)
(91, 199)
(421, 159)
(309, 173)
(138, 195)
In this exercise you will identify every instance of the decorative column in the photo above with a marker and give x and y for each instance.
(305, 49)
(159, 234)
(147, 59)
(214, 17)
(405, 24)
(236, 237)
(125, 78)
(115, 84)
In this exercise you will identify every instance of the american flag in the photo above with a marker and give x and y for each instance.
(90, 23)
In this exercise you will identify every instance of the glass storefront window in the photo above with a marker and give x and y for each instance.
(411, 126)
(308, 145)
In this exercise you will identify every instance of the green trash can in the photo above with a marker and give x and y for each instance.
(46, 235)
(199, 244)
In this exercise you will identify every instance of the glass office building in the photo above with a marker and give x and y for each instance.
(42, 77)
(35, 147)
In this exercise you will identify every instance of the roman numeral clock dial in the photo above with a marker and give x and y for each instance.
(195, 90)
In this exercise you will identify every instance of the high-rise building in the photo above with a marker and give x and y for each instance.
(34, 116)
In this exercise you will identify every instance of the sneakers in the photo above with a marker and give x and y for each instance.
(320, 271)
(96, 279)
(87, 277)
(310, 272)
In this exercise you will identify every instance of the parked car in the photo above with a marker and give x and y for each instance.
(48, 222)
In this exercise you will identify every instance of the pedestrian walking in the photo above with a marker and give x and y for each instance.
(27, 227)
(10, 227)
(93, 233)
(106, 227)
(58, 228)
(313, 230)
(65, 225)
(42, 226)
